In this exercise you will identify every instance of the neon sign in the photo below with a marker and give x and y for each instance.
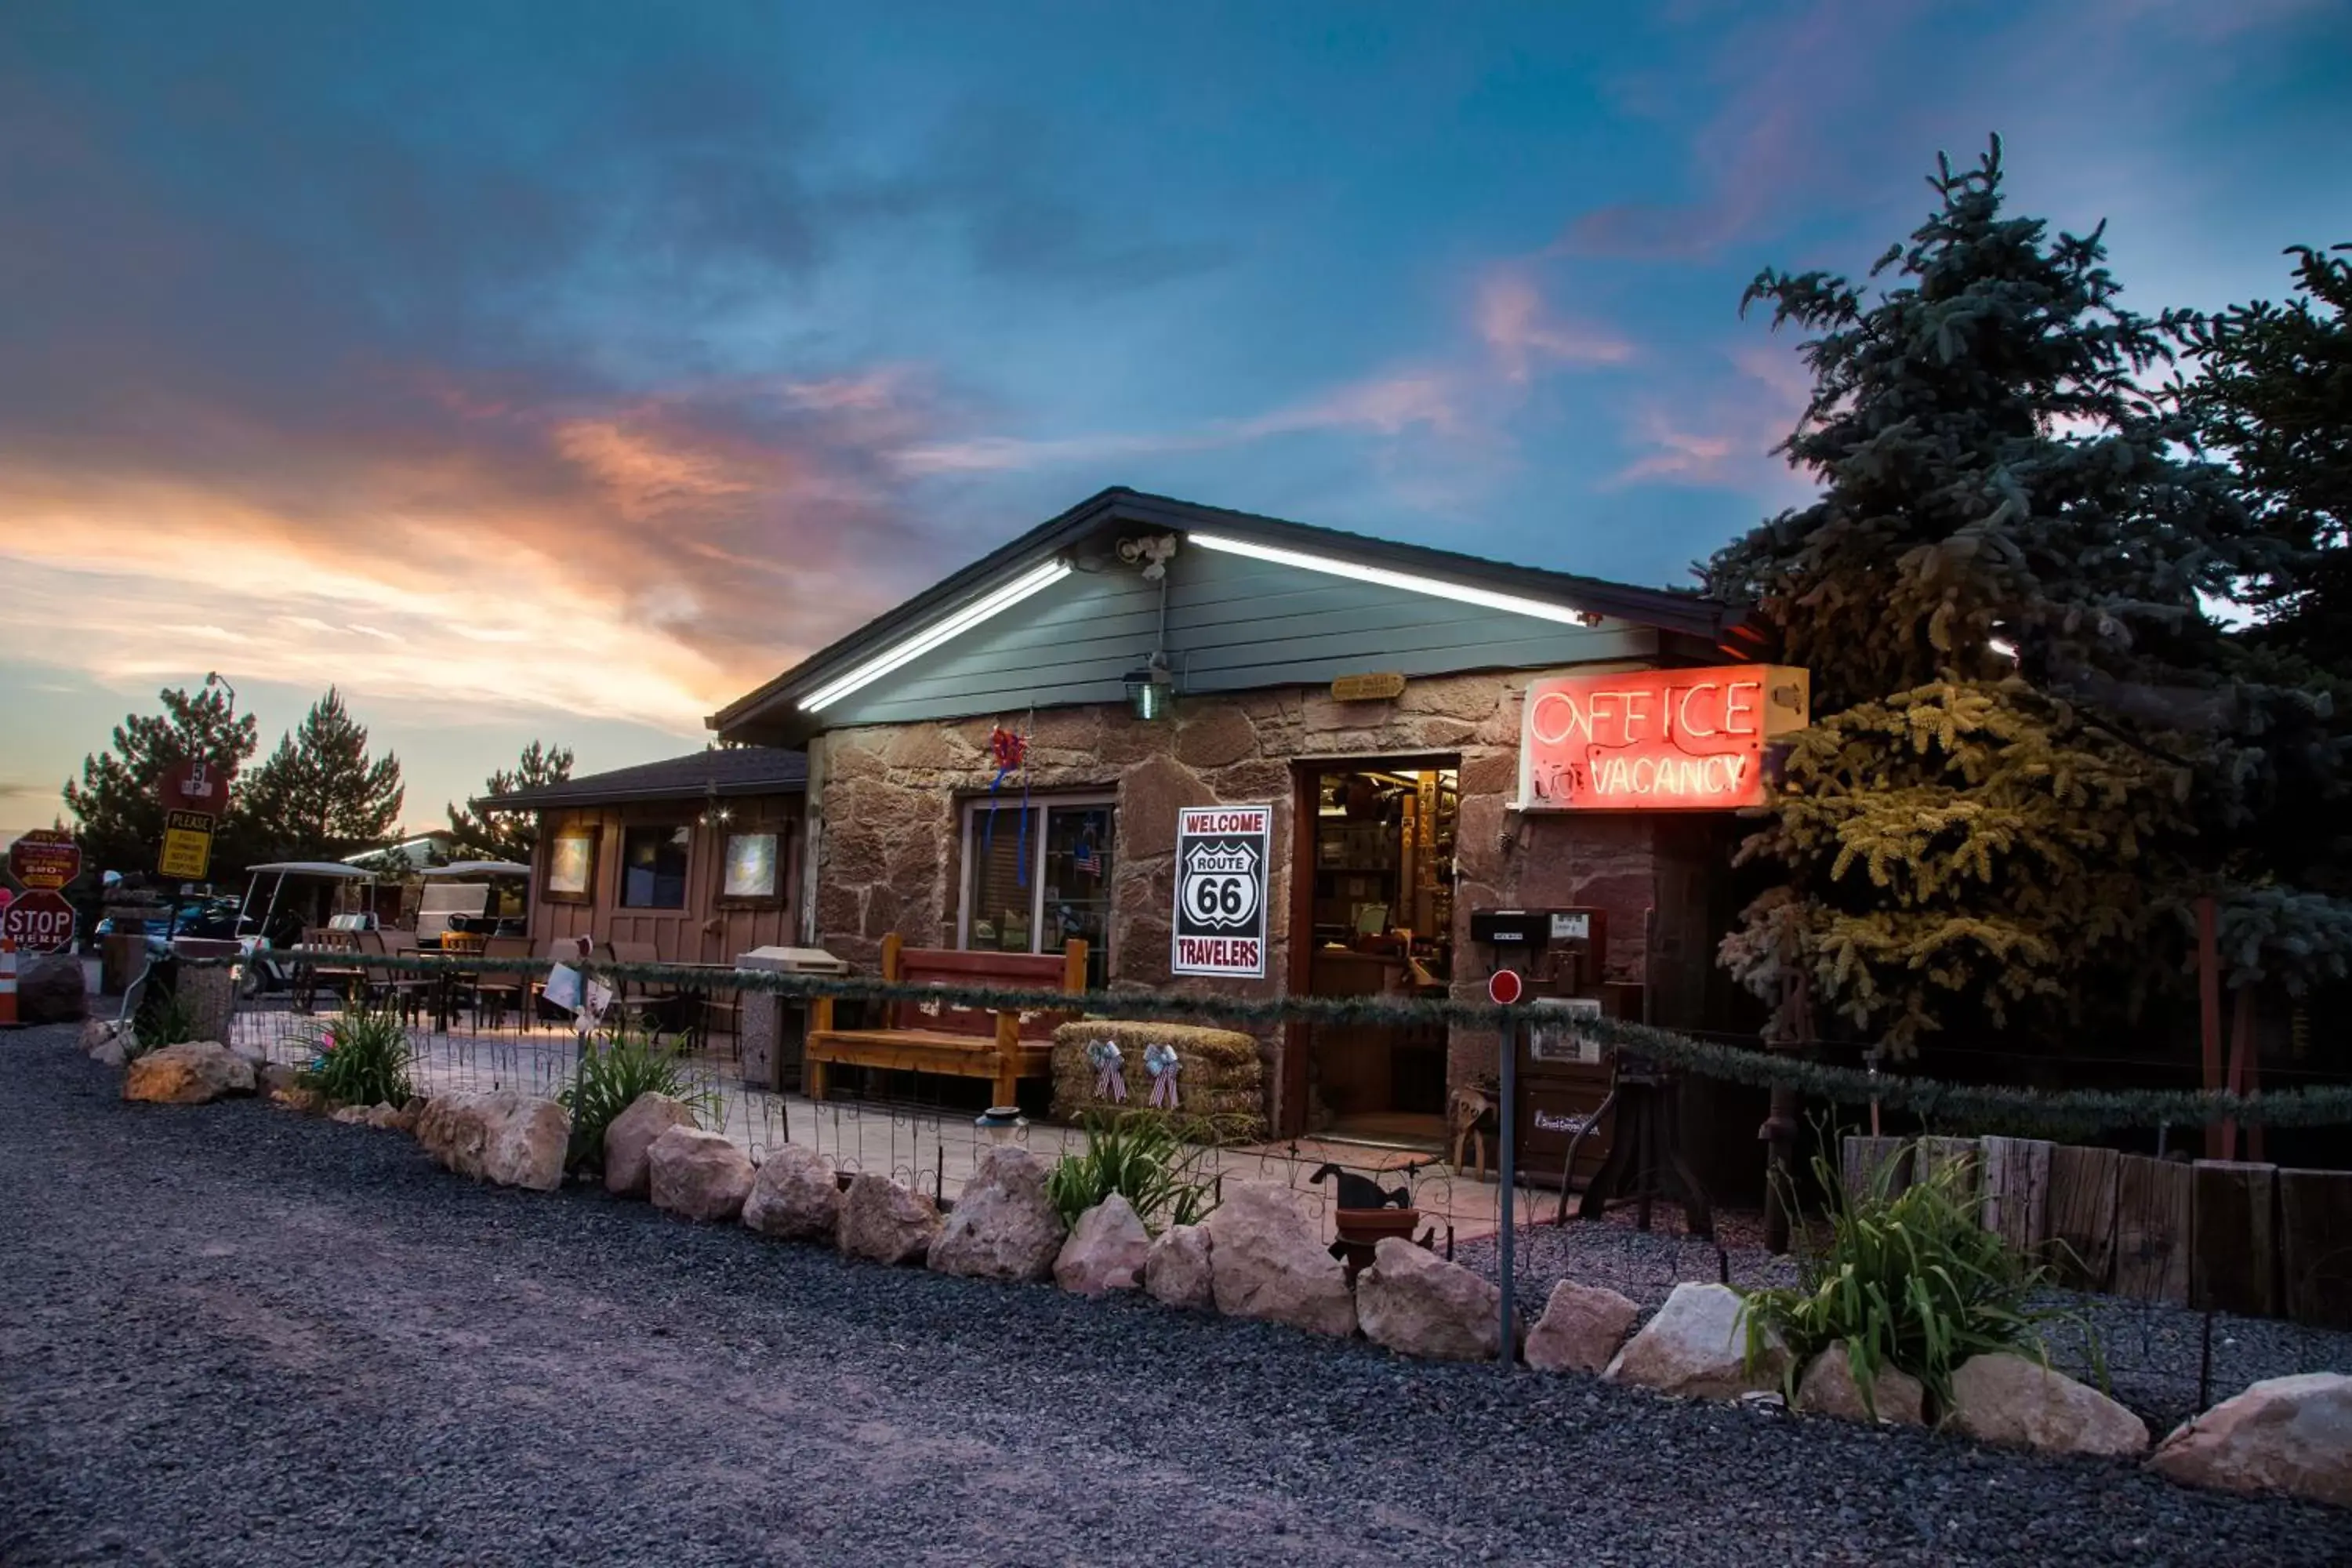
(1656, 740)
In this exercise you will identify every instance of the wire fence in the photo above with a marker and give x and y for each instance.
(2165, 1360)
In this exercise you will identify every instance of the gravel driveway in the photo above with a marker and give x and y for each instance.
(229, 1334)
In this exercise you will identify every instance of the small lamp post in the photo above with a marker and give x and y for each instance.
(1001, 1124)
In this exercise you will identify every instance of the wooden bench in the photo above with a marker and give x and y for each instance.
(937, 1037)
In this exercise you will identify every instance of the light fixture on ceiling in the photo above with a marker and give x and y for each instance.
(1035, 580)
(1411, 583)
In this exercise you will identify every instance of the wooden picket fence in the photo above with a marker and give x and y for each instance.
(2221, 1234)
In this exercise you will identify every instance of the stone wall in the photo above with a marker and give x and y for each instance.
(888, 798)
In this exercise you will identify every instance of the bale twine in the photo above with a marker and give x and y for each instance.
(1219, 1080)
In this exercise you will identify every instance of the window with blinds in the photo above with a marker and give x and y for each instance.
(1038, 876)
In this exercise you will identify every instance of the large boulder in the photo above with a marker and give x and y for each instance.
(189, 1073)
(698, 1176)
(1697, 1347)
(51, 989)
(507, 1138)
(1176, 1269)
(1003, 1227)
(2291, 1435)
(1417, 1304)
(1827, 1387)
(2005, 1398)
(1581, 1328)
(629, 1139)
(885, 1223)
(794, 1197)
(1267, 1260)
(1106, 1251)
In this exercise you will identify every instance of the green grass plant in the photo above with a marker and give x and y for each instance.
(1144, 1159)
(614, 1068)
(363, 1057)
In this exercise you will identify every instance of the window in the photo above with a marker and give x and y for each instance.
(653, 868)
(1035, 878)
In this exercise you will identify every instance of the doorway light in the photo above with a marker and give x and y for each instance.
(1411, 583)
(913, 648)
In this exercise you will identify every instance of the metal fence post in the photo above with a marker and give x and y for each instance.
(1507, 1347)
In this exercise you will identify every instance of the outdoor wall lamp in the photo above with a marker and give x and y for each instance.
(1001, 1123)
(1150, 690)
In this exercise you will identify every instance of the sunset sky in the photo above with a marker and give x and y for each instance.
(564, 370)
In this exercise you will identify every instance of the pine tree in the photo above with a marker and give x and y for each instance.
(2020, 722)
(118, 810)
(495, 834)
(319, 795)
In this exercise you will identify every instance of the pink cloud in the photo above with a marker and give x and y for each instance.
(1726, 435)
(1521, 335)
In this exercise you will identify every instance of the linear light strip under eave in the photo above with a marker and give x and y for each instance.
(933, 635)
(1435, 587)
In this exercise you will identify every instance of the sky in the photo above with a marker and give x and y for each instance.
(566, 370)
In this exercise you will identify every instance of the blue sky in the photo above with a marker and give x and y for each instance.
(563, 369)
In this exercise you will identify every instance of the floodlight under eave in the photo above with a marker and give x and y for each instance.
(1411, 582)
(938, 632)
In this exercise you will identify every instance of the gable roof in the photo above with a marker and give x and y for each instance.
(1685, 614)
(728, 771)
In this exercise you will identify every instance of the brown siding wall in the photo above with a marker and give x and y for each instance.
(702, 932)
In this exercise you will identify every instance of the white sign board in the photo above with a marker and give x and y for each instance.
(1222, 853)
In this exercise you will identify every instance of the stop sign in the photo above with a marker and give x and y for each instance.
(38, 921)
(1504, 987)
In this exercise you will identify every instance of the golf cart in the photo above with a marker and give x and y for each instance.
(285, 898)
(485, 895)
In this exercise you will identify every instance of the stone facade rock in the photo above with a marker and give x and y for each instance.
(2009, 1399)
(882, 1222)
(794, 1197)
(2290, 1434)
(1003, 1227)
(1581, 1330)
(1177, 1271)
(1106, 1250)
(1827, 1387)
(698, 1176)
(1415, 1303)
(1696, 1347)
(187, 1074)
(509, 1138)
(51, 988)
(889, 844)
(629, 1142)
(1267, 1260)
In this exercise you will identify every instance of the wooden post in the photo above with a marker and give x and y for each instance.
(2241, 1046)
(2316, 1246)
(2208, 1016)
(1936, 1155)
(2081, 1227)
(2152, 1218)
(1879, 1165)
(2017, 1190)
(2235, 1257)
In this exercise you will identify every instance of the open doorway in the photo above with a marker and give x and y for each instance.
(1375, 879)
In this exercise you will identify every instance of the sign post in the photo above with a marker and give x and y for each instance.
(1504, 988)
(1221, 853)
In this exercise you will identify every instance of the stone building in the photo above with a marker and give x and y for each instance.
(1143, 655)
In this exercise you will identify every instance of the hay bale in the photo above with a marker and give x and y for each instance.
(1220, 1081)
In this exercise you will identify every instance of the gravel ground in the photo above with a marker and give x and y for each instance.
(2154, 1351)
(229, 1334)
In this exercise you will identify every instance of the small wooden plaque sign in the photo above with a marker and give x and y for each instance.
(1382, 687)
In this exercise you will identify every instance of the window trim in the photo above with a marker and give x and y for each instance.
(686, 879)
(973, 805)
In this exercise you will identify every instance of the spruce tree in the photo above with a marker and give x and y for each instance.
(1993, 822)
(116, 806)
(319, 795)
(494, 835)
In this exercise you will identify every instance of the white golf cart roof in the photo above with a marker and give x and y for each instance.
(312, 868)
(478, 869)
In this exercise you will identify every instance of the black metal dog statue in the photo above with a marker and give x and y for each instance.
(1362, 1193)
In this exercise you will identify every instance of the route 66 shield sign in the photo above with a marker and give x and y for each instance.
(1221, 858)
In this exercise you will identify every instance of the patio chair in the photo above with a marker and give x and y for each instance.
(639, 1003)
(390, 988)
(498, 990)
(334, 964)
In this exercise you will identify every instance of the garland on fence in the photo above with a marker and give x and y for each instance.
(2324, 1106)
